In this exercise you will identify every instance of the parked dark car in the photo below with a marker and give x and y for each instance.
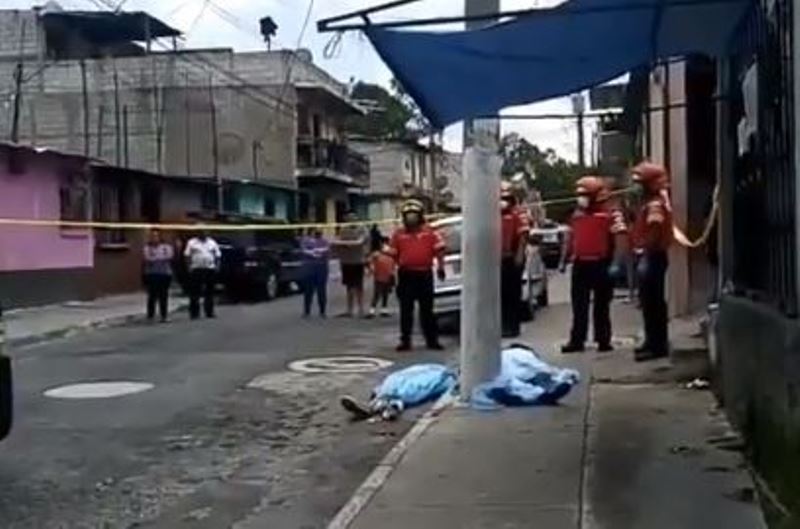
(257, 264)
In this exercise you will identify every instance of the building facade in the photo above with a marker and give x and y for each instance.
(41, 264)
(90, 87)
(408, 169)
(732, 126)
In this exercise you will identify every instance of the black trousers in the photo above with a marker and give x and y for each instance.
(652, 272)
(380, 294)
(416, 287)
(157, 294)
(590, 279)
(510, 296)
(202, 283)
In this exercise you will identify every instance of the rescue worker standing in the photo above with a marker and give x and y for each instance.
(515, 227)
(652, 237)
(593, 245)
(416, 246)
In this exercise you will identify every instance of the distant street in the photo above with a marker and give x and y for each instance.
(201, 449)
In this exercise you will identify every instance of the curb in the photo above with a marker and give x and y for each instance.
(55, 334)
(380, 474)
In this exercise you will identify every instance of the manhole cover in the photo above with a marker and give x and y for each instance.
(340, 364)
(97, 390)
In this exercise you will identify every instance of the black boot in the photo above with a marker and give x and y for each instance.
(403, 346)
(572, 347)
(605, 348)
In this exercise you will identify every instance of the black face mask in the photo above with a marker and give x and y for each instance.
(412, 220)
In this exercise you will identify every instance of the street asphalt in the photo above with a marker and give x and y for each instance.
(227, 436)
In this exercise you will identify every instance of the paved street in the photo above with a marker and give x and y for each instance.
(226, 437)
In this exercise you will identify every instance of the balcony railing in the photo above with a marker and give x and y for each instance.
(335, 157)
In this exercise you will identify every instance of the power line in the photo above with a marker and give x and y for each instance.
(196, 20)
(243, 87)
(293, 56)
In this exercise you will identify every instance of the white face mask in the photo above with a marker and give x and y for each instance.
(583, 202)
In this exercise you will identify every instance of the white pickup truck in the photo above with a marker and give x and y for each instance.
(447, 296)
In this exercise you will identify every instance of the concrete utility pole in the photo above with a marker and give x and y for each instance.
(480, 244)
(579, 108)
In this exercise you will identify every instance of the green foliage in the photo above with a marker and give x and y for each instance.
(392, 114)
(553, 176)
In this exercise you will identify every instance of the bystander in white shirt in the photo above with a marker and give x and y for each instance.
(203, 253)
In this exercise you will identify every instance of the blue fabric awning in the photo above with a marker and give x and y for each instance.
(582, 43)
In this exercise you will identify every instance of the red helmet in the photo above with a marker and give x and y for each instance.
(593, 187)
(653, 176)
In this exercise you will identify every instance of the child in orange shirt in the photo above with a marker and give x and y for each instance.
(382, 265)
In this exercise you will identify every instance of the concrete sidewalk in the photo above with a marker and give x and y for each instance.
(37, 324)
(629, 449)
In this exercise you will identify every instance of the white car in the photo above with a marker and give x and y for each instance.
(447, 296)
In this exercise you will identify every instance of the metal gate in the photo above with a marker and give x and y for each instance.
(762, 127)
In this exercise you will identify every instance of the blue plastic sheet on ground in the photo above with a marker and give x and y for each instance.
(416, 385)
(524, 380)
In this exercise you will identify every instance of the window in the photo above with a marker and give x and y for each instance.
(112, 204)
(73, 198)
(761, 127)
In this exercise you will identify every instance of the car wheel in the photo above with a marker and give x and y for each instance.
(6, 397)
(271, 286)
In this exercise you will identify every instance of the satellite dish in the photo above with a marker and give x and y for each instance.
(305, 55)
(52, 7)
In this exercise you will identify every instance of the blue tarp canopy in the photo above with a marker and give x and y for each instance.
(581, 43)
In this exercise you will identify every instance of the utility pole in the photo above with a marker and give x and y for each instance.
(17, 102)
(215, 145)
(187, 127)
(117, 118)
(18, 73)
(480, 244)
(85, 93)
(579, 108)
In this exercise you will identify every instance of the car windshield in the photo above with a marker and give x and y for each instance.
(451, 233)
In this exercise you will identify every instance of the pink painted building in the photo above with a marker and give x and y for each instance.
(43, 264)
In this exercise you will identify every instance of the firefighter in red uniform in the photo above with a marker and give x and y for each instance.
(652, 237)
(515, 228)
(594, 246)
(416, 246)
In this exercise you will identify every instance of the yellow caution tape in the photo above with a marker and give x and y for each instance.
(681, 237)
(219, 227)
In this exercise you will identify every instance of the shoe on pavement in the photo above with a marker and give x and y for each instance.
(435, 346)
(359, 411)
(642, 349)
(647, 356)
(572, 348)
(385, 313)
(605, 348)
(403, 347)
(370, 314)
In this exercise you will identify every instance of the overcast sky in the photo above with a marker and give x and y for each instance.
(234, 23)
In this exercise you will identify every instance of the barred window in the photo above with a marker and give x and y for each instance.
(762, 128)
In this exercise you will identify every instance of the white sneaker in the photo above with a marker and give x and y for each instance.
(371, 313)
(385, 313)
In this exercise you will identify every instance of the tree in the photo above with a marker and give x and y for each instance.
(551, 175)
(391, 115)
